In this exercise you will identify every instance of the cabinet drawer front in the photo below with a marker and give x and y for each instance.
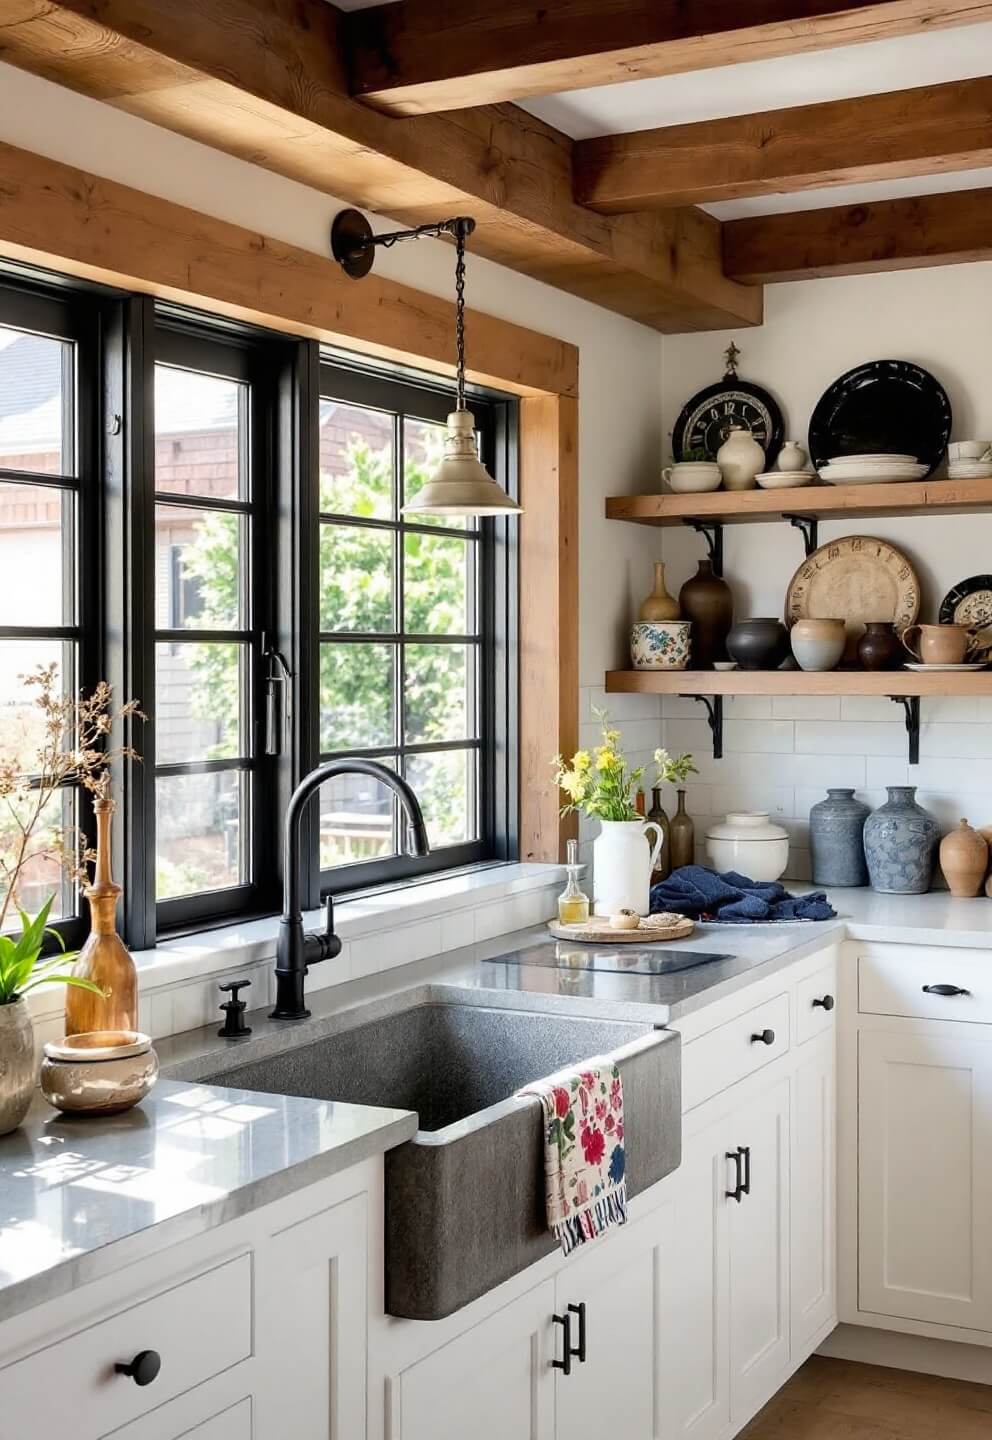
(815, 1004)
(197, 1329)
(925, 985)
(729, 1053)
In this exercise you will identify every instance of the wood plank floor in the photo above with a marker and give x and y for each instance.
(841, 1400)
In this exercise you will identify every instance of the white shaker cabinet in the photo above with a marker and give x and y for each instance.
(925, 1175)
(813, 1198)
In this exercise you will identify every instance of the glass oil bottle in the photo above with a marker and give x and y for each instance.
(573, 903)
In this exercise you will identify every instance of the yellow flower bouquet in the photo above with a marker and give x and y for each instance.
(599, 783)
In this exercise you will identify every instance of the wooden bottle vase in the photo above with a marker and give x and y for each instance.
(104, 958)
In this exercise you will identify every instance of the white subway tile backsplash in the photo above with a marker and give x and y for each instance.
(806, 707)
(758, 737)
(968, 741)
(748, 795)
(819, 737)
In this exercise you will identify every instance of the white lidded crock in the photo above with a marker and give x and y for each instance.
(748, 842)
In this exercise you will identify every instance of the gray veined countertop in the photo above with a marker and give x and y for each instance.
(188, 1158)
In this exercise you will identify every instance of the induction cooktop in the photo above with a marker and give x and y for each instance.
(627, 961)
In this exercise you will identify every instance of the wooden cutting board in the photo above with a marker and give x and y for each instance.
(599, 932)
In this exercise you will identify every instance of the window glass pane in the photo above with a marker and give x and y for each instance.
(357, 819)
(356, 461)
(198, 691)
(199, 575)
(356, 696)
(36, 555)
(200, 828)
(36, 403)
(436, 697)
(356, 578)
(43, 875)
(435, 584)
(22, 723)
(445, 786)
(423, 451)
(201, 432)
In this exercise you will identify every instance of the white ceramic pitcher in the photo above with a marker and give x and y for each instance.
(622, 864)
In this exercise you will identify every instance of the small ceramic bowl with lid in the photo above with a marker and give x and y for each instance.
(748, 842)
(102, 1072)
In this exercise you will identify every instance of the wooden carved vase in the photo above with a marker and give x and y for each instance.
(104, 958)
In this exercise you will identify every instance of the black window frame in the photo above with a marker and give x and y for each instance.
(403, 394)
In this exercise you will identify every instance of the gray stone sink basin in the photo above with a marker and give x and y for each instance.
(465, 1197)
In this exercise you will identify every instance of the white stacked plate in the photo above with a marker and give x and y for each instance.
(785, 479)
(871, 469)
(969, 469)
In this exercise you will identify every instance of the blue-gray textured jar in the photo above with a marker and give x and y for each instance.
(901, 840)
(836, 839)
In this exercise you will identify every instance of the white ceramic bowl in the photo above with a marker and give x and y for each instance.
(660, 644)
(785, 479)
(692, 477)
(967, 449)
(748, 842)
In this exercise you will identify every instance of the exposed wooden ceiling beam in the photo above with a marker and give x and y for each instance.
(861, 239)
(426, 55)
(874, 137)
(264, 80)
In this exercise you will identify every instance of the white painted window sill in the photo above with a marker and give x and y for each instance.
(378, 931)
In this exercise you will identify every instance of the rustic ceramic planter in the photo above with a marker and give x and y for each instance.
(901, 840)
(104, 1073)
(964, 859)
(836, 840)
(818, 644)
(760, 644)
(660, 644)
(17, 1068)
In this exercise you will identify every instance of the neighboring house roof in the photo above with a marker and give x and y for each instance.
(31, 395)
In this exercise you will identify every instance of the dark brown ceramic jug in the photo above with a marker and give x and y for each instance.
(707, 601)
(879, 647)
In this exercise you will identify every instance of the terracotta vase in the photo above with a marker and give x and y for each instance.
(17, 1066)
(879, 647)
(658, 814)
(659, 605)
(683, 836)
(708, 603)
(964, 859)
(104, 958)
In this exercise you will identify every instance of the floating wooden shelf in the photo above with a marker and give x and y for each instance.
(839, 502)
(798, 682)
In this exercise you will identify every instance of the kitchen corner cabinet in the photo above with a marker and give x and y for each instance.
(813, 1207)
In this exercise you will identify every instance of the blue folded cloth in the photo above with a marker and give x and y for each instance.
(701, 893)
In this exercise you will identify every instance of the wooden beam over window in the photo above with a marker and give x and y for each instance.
(875, 137)
(861, 239)
(427, 55)
(265, 80)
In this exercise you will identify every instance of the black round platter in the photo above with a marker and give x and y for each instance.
(882, 407)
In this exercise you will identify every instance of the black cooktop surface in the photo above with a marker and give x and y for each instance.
(619, 961)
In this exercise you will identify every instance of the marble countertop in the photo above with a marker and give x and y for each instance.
(189, 1158)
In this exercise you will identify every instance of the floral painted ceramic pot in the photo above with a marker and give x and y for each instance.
(660, 644)
(901, 840)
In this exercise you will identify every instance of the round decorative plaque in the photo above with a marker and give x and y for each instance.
(855, 579)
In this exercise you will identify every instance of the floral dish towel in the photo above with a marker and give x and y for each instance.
(584, 1159)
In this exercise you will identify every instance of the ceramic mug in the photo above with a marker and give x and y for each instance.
(940, 644)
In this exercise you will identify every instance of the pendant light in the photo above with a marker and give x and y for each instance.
(461, 485)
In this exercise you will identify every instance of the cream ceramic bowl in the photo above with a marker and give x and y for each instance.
(748, 842)
(692, 477)
(968, 450)
(660, 644)
(100, 1073)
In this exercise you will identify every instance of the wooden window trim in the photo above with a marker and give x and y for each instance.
(58, 217)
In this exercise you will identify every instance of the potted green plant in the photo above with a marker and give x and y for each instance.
(63, 741)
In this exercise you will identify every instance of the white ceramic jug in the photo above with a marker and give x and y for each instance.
(740, 459)
(622, 863)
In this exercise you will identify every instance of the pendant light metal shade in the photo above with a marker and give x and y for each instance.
(461, 485)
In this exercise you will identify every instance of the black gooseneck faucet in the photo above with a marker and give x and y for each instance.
(296, 948)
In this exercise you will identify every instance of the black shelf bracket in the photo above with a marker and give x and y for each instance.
(911, 705)
(810, 527)
(714, 719)
(712, 533)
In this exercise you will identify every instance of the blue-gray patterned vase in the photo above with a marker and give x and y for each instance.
(836, 839)
(901, 840)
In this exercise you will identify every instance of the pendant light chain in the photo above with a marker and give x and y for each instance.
(460, 312)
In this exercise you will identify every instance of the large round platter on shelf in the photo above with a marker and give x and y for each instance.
(882, 407)
(706, 419)
(855, 579)
(968, 603)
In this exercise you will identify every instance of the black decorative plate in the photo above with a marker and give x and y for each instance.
(968, 603)
(882, 407)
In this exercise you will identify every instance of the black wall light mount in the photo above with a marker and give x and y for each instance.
(353, 241)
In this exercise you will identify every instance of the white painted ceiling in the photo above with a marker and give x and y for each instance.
(905, 63)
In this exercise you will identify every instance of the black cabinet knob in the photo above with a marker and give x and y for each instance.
(763, 1037)
(827, 1003)
(143, 1369)
(944, 990)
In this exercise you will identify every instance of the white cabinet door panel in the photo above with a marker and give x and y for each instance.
(812, 1199)
(925, 1178)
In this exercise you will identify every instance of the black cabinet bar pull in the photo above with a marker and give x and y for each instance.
(565, 1363)
(827, 1003)
(580, 1351)
(738, 1190)
(745, 1150)
(763, 1037)
(143, 1369)
(944, 990)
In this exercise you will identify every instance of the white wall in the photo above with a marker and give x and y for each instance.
(779, 754)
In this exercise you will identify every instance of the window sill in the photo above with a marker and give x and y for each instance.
(431, 918)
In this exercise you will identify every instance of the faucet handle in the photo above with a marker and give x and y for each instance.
(329, 915)
(234, 1027)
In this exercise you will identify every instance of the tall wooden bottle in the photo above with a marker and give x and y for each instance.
(104, 958)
